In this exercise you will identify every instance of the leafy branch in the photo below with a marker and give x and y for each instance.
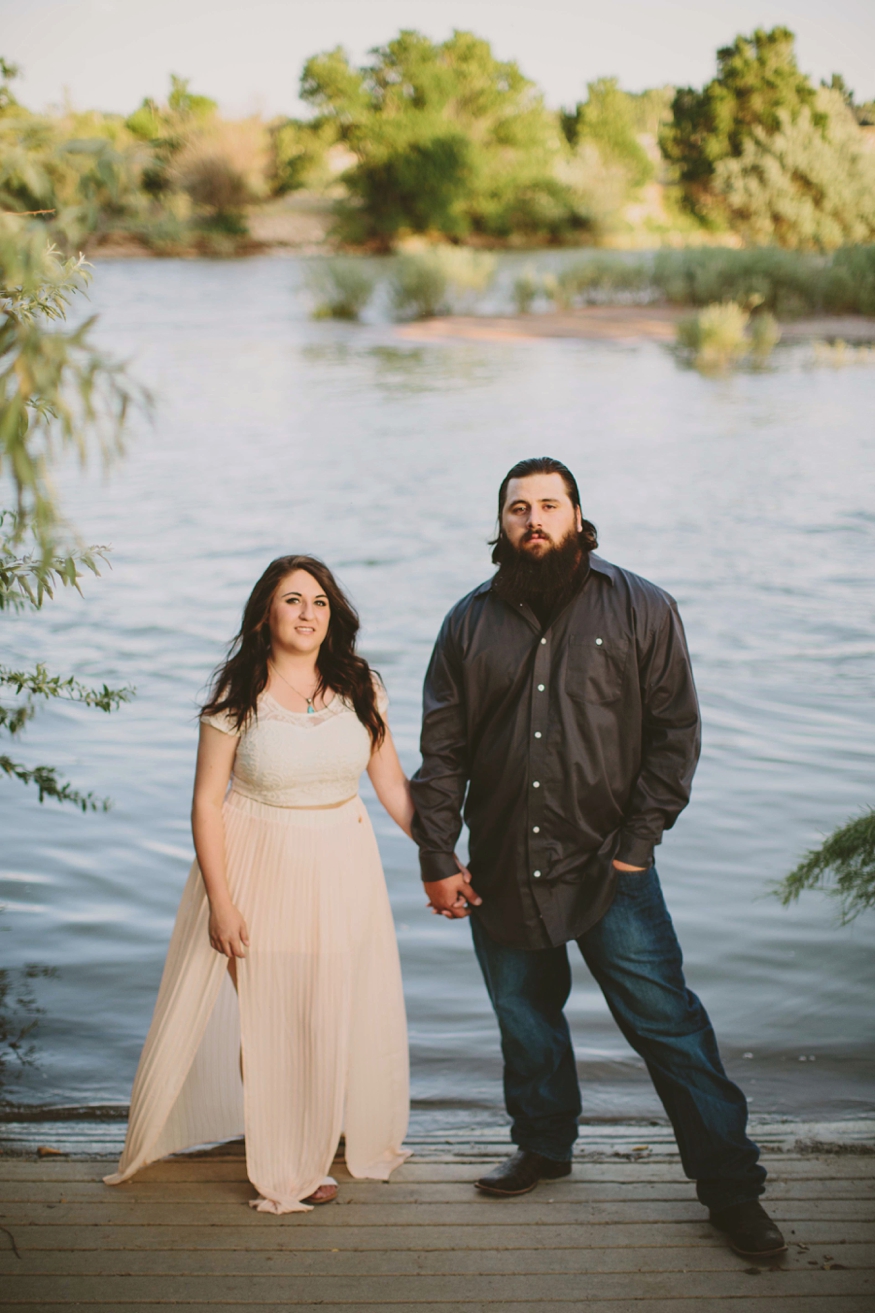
(57, 389)
(58, 392)
(28, 580)
(50, 786)
(844, 865)
(39, 683)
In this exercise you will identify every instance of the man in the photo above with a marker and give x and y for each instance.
(560, 697)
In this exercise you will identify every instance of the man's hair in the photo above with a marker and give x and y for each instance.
(544, 465)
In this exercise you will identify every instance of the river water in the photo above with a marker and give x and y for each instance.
(751, 498)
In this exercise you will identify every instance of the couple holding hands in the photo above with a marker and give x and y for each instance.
(560, 720)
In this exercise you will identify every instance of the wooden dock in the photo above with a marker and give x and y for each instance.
(619, 1235)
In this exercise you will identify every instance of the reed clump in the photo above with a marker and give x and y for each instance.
(839, 353)
(786, 283)
(722, 334)
(526, 289)
(599, 279)
(343, 288)
(435, 281)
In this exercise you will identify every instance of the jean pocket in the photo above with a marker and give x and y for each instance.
(631, 883)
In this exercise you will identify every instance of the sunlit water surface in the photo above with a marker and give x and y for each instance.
(750, 498)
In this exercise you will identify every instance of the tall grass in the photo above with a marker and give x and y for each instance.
(786, 283)
(432, 282)
(526, 288)
(600, 278)
(343, 288)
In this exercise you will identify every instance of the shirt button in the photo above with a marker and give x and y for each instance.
(537, 733)
(598, 642)
(536, 829)
(536, 784)
(543, 641)
(536, 874)
(540, 688)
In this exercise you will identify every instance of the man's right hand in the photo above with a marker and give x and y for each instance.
(454, 896)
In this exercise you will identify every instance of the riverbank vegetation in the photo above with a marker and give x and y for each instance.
(439, 279)
(444, 142)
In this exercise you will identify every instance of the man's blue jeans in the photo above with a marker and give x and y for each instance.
(634, 955)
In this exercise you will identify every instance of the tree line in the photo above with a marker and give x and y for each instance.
(443, 139)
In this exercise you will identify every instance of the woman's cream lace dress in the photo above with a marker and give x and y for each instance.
(321, 1011)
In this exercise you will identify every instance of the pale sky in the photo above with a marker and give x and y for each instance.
(109, 54)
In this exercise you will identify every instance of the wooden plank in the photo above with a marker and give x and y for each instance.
(473, 1262)
(398, 1238)
(838, 1167)
(388, 1290)
(530, 1210)
(749, 1304)
(767, 1304)
(565, 1191)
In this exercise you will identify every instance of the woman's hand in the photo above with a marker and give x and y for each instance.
(228, 933)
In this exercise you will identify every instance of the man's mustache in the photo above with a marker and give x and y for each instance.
(531, 535)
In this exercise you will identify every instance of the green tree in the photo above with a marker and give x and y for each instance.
(809, 185)
(608, 118)
(58, 392)
(448, 139)
(758, 90)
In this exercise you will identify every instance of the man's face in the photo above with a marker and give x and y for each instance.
(538, 514)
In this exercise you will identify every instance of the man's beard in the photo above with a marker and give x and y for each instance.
(522, 576)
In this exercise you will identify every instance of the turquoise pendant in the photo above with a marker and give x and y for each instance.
(311, 710)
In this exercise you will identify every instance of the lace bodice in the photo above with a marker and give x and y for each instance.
(291, 759)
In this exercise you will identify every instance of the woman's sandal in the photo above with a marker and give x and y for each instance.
(325, 1194)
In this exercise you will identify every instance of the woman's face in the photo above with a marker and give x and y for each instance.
(299, 615)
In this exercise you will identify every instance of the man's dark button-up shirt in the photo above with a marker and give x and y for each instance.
(576, 745)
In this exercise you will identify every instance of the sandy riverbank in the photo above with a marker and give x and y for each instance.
(619, 323)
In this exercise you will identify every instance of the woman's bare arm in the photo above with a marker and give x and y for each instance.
(390, 783)
(392, 787)
(215, 759)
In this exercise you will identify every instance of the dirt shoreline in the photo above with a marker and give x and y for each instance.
(621, 323)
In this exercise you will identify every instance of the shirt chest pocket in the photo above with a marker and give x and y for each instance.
(595, 667)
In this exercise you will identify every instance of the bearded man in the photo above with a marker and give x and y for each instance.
(560, 710)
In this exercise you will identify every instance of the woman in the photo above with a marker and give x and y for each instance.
(287, 905)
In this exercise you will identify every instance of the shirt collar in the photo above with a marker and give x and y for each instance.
(605, 568)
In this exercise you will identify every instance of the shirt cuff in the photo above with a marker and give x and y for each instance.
(437, 866)
(634, 851)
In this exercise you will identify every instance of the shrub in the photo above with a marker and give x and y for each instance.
(423, 281)
(715, 337)
(213, 183)
(344, 288)
(784, 282)
(594, 279)
(849, 284)
(802, 186)
(526, 287)
(419, 287)
(419, 188)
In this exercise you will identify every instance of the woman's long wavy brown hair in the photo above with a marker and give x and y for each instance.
(242, 677)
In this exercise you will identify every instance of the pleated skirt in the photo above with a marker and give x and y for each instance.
(317, 1026)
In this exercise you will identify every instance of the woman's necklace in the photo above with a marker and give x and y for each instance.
(311, 710)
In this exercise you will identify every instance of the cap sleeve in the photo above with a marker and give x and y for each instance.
(223, 722)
